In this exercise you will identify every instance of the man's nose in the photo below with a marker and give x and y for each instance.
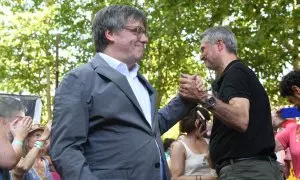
(144, 38)
(201, 56)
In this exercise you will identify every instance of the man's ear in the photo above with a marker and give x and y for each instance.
(296, 90)
(109, 35)
(220, 45)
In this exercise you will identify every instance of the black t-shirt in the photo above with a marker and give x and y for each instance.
(258, 140)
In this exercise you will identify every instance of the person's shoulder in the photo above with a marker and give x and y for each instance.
(292, 126)
(82, 71)
(83, 68)
(287, 130)
(241, 70)
(78, 76)
(178, 144)
(239, 65)
(178, 147)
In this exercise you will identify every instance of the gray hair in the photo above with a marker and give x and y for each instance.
(214, 34)
(9, 106)
(113, 18)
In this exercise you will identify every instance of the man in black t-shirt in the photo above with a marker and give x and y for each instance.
(242, 141)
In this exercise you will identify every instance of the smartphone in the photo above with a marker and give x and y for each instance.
(290, 112)
(202, 120)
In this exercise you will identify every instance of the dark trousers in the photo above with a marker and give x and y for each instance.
(251, 169)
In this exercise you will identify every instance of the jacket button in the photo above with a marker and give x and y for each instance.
(157, 165)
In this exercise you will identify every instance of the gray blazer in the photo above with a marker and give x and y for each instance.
(99, 130)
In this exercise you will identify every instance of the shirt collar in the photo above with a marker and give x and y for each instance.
(120, 66)
(229, 65)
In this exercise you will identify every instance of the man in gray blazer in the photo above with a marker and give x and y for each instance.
(105, 124)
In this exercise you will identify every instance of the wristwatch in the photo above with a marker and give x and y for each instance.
(209, 102)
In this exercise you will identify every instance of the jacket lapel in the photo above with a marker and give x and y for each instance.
(152, 94)
(103, 69)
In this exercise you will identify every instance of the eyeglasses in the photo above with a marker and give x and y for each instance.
(137, 30)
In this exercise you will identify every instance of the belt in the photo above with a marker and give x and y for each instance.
(235, 160)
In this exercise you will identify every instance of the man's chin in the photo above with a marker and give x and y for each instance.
(209, 67)
(139, 58)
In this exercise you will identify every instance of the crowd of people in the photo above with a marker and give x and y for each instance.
(23, 144)
(106, 124)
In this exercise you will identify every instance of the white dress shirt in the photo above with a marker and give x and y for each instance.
(139, 90)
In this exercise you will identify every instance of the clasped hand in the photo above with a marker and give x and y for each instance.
(192, 88)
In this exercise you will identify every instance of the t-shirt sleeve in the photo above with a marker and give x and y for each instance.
(236, 84)
(284, 137)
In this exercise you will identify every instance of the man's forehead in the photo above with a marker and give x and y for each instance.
(135, 22)
(204, 43)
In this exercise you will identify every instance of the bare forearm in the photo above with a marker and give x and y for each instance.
(230, 116)
(18, 148)
(30, 158)
(25, 163)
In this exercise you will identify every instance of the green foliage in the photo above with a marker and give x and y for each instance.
(25, 48)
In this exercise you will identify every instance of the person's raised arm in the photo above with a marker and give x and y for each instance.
(26, 163)
(20, 129)
(174, 111)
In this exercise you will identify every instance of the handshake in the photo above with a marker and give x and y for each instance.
(192, 88)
